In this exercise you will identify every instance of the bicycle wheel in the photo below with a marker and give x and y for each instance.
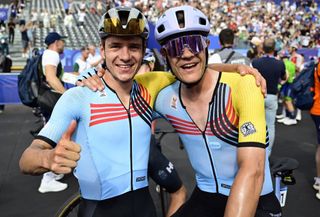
(70, 207)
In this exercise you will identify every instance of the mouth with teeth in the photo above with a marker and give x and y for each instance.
(189, 65)
(125, 67)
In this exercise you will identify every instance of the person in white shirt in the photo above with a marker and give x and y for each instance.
(81, 63)
(52, 70)
(94, 58)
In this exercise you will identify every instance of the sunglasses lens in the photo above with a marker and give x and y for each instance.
(175, 47)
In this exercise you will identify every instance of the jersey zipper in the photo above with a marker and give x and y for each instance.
(131, 162)
(211, 162)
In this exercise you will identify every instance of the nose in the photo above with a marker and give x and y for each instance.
(125, 53)
(187, 52)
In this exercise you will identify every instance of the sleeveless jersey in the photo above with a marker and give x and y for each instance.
(114, 141)
(236, 119)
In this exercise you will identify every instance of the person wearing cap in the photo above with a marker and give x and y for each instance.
(82, 63)
(52, 72)
(110, 147)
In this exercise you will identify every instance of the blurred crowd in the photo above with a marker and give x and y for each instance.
(287, 23)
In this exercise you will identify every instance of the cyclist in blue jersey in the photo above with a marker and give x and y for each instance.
(220, 119)
(112, 129)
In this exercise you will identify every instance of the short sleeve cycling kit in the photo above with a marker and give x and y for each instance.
(235, 120)
(114, 141)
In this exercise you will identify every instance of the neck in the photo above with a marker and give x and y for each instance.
(205, 85)
(122, 88)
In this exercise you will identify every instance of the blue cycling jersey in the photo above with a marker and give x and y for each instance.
(236, 119)
(114, 140)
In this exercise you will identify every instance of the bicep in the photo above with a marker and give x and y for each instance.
(51, 71)
(251, 157)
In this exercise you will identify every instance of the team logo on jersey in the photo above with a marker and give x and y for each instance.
(173, 103)
(247, 129)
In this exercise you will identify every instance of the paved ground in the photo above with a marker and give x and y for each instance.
(19, 196)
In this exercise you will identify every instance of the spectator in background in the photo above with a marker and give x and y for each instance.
(52, 71)
(24, 39)
(53, 20)
(40, 18)
(227, 54)
(46, 19)
(94, 57)
(68, 20)
(272, 75)
(81, 63)
(93, 7)
(289, 111)
(66, 6)
(29, 27)
(34, 17)
(99, 7)
(11, 28)
(296, 58)
(83, 5)
(81, 18)
(148, 64)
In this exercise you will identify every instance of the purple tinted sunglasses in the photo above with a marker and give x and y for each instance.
(175, 47)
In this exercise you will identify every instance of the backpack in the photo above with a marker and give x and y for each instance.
(303, 87)
(29, 81)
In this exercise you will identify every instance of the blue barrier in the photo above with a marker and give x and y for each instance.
(8, 88)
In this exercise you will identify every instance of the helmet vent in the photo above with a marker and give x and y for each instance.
(161, 28)
(180, 18)
(202, 21)
(123, 15)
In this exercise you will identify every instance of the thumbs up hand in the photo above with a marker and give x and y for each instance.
(63, 158)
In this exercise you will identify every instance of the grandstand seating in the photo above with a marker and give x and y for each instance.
(77, 36)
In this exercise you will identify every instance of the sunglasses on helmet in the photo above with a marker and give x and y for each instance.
(175, 47)
(133, 27)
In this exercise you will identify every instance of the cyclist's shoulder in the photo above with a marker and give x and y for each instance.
(154, 77)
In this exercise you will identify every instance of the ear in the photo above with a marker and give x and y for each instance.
(102, 50)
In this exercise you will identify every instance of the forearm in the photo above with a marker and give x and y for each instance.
(34, 160)
(245, 193)
(221, 67)
(56, 84)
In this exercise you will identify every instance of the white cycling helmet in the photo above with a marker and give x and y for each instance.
(180, 20)
(123, 21)
(149, 56)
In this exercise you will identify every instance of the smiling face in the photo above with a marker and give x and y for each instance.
(189, 68)
(123, 56)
